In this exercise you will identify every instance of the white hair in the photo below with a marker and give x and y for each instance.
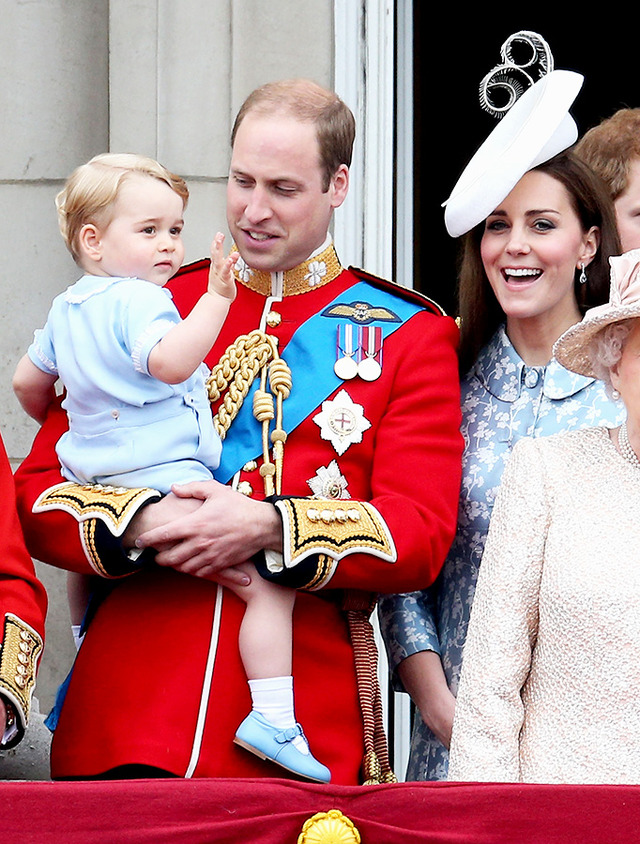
(605, 349)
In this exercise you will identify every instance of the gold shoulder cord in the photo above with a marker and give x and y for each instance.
(236, 371)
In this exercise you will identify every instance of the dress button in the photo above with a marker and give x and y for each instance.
(274, 319)
(115, 414)
(531, 378)
(245, 488)
(251, 466)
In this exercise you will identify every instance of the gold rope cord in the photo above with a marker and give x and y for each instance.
(376, 766)
(249, 355)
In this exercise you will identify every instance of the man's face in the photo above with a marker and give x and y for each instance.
(628, 210)
(277, 212)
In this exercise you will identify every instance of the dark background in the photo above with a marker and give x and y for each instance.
(451, 59)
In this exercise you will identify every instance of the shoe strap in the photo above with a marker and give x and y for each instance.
(289, 734)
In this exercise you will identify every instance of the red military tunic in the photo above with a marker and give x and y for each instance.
(158, 680)
(23, 605)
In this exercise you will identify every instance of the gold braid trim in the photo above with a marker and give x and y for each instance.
(115, 506)
(311, 274)
(250, 355)
(19, 653)
(335, 528)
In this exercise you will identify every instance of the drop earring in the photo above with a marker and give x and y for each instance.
(583, 275)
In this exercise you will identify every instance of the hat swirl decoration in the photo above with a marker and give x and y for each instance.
(572, 350)
(535, 126)
(526, 56)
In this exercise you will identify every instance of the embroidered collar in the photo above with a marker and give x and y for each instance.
(503, 373)
(319, 269)
(92, 285)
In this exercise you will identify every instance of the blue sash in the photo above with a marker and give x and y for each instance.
(310, 354)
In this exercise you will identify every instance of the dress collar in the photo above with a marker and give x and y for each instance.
(502, 372)
(91, 285)
(319, 269)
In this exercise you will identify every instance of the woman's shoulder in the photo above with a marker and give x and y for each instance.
(565, 445)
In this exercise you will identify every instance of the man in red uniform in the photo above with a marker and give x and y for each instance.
(23, 605)
(349, 428)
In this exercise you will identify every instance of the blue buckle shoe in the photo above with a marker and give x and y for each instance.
(262, 738)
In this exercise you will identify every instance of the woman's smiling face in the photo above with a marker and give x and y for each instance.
(531, 246)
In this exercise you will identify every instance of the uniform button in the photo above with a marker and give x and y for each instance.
(274, 319)
(531, 378)
(245, 488)
(251, 466)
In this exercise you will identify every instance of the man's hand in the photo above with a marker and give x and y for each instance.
(224, 529)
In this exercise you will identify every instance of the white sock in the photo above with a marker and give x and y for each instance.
(272, 697)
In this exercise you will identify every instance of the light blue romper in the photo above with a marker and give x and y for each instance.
(126, 428)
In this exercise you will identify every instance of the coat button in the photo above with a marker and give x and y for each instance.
(274, 319)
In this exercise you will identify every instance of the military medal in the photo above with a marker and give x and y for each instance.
(370, 363)
(341, 421)
(329, 482)
(346, 366)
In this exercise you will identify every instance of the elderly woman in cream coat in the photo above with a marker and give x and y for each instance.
(549, 686)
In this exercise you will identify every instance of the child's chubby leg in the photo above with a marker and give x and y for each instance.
(265, 641)
(266, 632)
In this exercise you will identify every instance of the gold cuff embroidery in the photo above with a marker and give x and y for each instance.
(333, 527)
(324, 572)
(19, 653)
(115, 506)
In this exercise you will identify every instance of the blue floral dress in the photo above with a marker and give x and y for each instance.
(503, 400)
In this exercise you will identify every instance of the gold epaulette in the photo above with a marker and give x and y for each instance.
(335, 528)
(115, 506)
(21, 647)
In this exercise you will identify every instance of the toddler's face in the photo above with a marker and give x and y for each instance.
(144, 237)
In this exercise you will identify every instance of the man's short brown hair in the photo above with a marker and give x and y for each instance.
(611, 147)
(308, 102)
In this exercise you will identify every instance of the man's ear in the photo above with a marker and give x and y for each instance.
(339, 185)
(89, 242)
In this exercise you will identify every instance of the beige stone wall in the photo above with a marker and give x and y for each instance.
(157, 77)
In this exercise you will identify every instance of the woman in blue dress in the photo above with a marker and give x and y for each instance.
(528, 273)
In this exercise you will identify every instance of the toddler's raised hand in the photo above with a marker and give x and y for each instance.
(221, 278)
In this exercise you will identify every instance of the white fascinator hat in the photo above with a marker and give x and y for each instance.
(535, 127)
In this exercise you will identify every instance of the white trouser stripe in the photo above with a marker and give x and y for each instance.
(206, 686)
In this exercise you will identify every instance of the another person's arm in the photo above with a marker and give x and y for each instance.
(407, 623)
(503, 627)
(23, 604)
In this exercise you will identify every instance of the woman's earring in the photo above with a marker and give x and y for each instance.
(583, 275)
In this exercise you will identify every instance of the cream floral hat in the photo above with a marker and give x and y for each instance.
(572, 350)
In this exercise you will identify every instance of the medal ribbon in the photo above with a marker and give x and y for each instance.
(310, 355)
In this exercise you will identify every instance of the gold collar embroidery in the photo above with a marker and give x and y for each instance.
(315, 272)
